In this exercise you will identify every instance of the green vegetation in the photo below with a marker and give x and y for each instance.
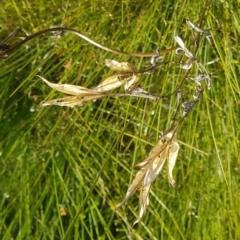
(63, 170)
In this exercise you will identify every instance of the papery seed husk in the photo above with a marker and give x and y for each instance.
(72, 101)
(155, 167)
(143, 201)
(69, 88)
(134, 186)
(113, 82)
(157, 149)
(173, 153)
(123, 67)
(131, 83)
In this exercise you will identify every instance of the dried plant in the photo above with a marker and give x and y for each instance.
(128, 77)
(78, 95)
(166, 148)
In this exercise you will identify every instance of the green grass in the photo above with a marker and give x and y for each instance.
(81, 158)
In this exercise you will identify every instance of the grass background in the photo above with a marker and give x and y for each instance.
(80, 159)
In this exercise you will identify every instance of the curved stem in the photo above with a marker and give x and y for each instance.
(10, 49)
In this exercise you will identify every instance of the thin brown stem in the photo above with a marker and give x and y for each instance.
(6, 50)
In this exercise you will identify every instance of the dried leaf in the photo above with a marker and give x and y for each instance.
(131, 84)
(183, 47)
(82, 94)
(127, 68)
(173, 153)
(113, 82)
(123, 67)
(68, 88)
(193, 26)
(157, 149)
(72, 101)
(140, 92)
(155, 168)
(143, 201)
(135, 185)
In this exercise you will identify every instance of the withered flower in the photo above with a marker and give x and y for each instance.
(166, 148)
